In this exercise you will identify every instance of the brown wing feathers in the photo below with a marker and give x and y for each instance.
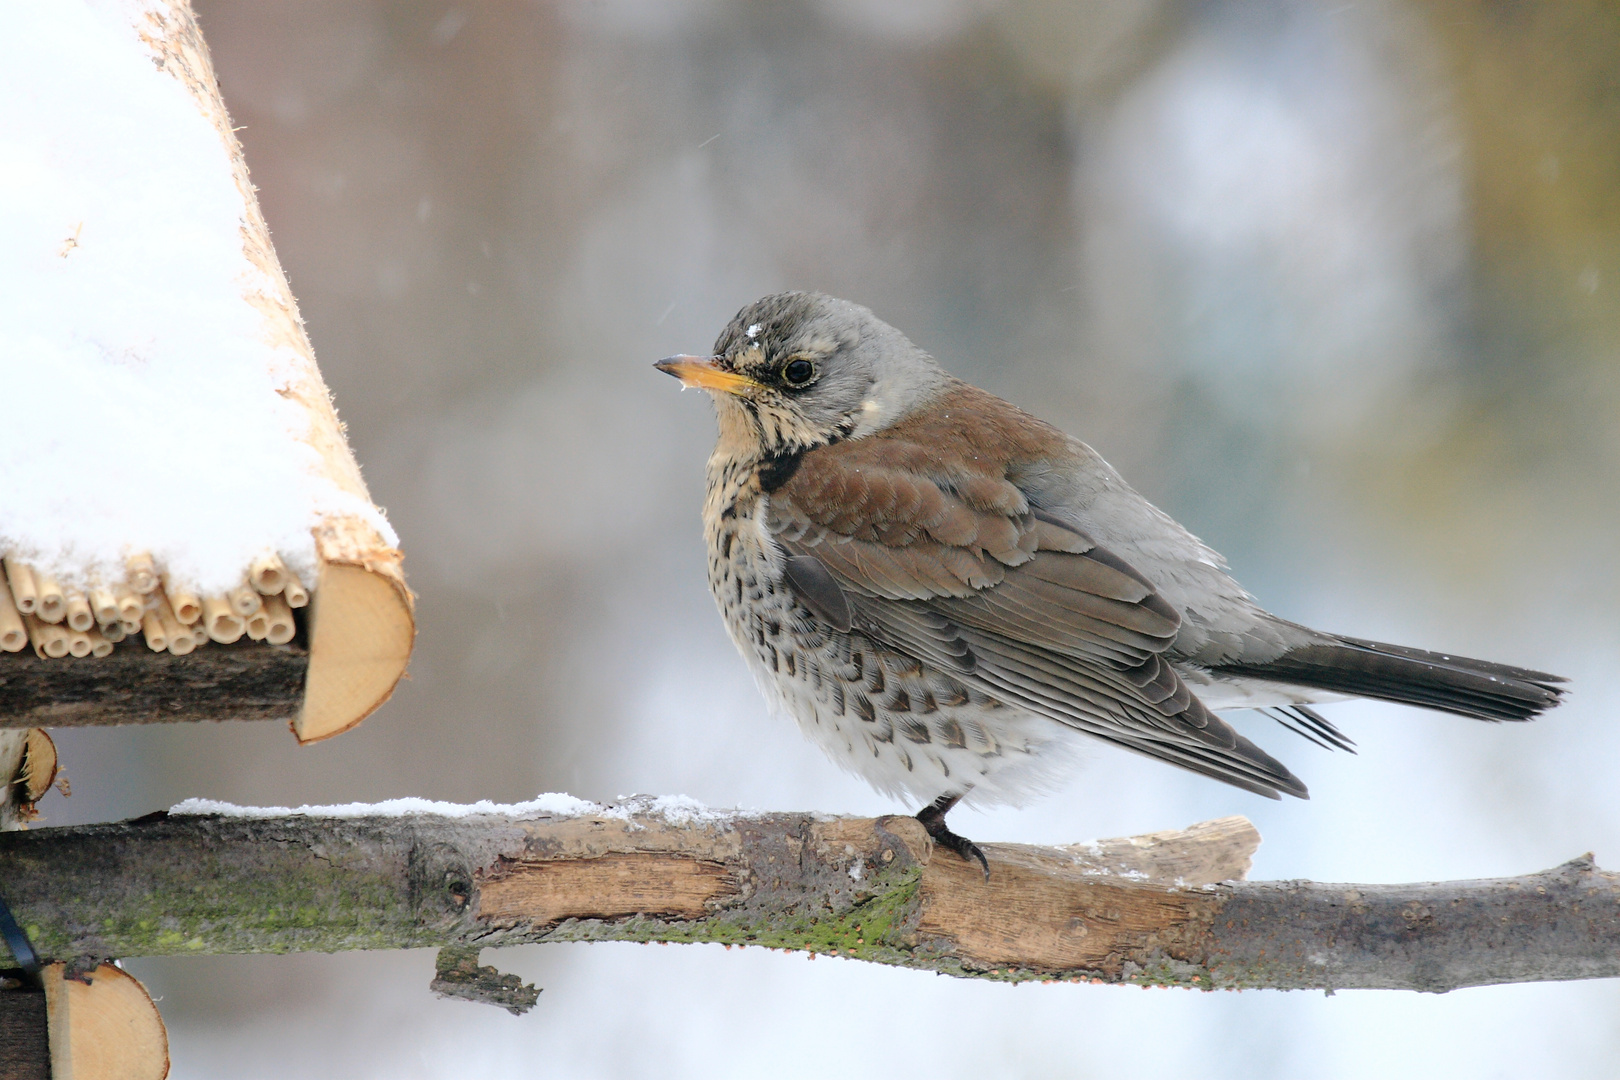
(942, 555)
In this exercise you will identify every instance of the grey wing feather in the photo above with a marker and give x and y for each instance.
(820, 593)
(1307, 723)
(1458, 684)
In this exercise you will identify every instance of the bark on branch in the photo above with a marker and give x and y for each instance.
(1161, 909)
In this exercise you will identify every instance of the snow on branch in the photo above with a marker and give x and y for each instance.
(1167, 908)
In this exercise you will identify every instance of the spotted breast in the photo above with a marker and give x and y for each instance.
(908, 728)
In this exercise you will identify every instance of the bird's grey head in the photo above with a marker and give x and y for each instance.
(798, 370)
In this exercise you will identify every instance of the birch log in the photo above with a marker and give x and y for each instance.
(1166, 909)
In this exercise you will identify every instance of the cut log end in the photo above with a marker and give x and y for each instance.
(39, 767)
(361, 633)
(103, 1026)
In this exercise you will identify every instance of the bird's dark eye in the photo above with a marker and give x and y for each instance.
(798, 372)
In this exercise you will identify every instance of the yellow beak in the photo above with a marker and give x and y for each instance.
(702, 372)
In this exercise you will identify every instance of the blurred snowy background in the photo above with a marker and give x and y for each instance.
(1336, 284)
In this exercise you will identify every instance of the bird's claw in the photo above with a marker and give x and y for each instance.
(933, 820)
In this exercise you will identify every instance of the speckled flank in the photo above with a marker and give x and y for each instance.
(908, 729)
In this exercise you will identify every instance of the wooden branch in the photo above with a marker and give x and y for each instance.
(245, 681)
(1143, 910)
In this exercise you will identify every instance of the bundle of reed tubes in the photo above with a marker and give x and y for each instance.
(169, 615)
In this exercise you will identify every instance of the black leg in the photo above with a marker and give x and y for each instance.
(933, 819)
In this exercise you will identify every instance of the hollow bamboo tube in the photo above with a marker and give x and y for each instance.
(294, 592)
(99, 645)
(130, 607)
(281, 626)
(79, 615)
(52, 601)
(48, 638)
(176, 633)
(199, 633)
(131, 611)
(13, 633)
(244, 600)
(79, 643)
(182, 602)
(140, 573)
(268, 574)
(36, 634)
(258, 625)
(224, 625)
(22, 585)
(104, 605)
(156, 639)
(114, 632)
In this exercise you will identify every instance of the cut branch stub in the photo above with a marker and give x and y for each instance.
(1169, 908)
(457, 974)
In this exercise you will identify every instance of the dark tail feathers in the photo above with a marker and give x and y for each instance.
(1455, 684)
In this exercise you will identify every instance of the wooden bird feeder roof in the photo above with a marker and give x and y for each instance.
(185, 532)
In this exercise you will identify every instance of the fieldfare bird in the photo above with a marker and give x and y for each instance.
(944, 591)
